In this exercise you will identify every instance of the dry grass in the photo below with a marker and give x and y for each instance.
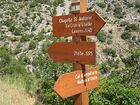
(13, 95)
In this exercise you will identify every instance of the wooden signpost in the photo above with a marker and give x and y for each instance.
(73, 83)
(70, 52)
(82, 24)
(79, 52)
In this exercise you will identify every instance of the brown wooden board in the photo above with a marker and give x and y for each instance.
(73, 83)
(82, 24)
(70, 52)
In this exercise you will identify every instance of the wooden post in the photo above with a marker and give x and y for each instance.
(82, 98)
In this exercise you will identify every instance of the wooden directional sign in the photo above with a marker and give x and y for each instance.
(70, 52)
(82, 24)
(76, 82)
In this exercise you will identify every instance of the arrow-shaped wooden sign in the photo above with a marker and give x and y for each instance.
(76, 82)
(82, 24)
(70, 52)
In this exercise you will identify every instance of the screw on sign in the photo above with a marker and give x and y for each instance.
(82, 24)
(70, 52)
(73, 83)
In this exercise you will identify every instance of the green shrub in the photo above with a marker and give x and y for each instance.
(53, 12)
(110, 52)
(131, 72)
(124, 23)
(40, 20)
(62, 5)
(26, 24)
(40, 36)
(138, 10)
(110, 31)
(12, 28)
(5, 56)
(101, 36)
(60, 1)
(24, 38)
(113, 63)
(17, 49)
(132, 27)
(112, 95)
(9, 65)
(130, 5)
(8, 22)
(112, 92)
(57, 2)
(33, 4)
(108, 7)
(31, 85)
(104, 67)
(13, 39)
(23, 59)
(20, 0)
(2, 37)
(118, 9)
(18, 31)
(43, 1)
(137, 4)
(47, 73)
(109, 41)
(13, 10)
(118, 13)
(33, 28)
(133, 59)
(126, 35)
(45, 47)
(32, 45)
(101, 4)
(27, 14)
(34, 17)
(109, 38)
(14, 68)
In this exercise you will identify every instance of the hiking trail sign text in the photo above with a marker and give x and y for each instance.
(70, 52)
(73, 83)
(82, 24)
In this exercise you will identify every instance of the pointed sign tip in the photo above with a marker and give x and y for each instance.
(62, 27)
(76, 82)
